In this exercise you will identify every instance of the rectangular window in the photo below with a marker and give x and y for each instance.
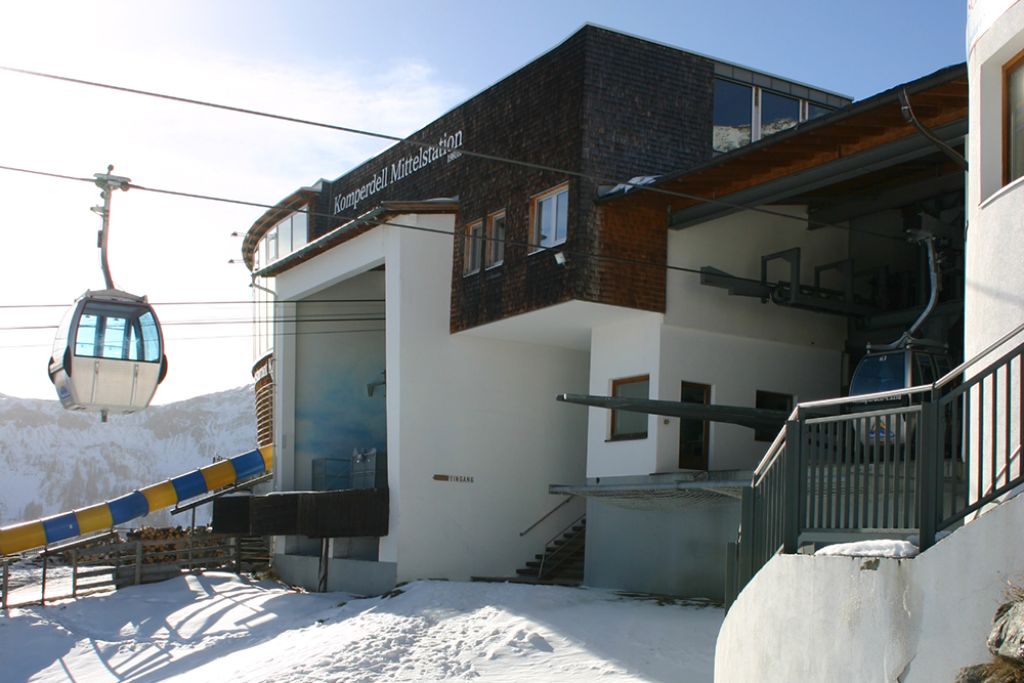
(778, 113)
(693, 434)
(549, 214)
(271, 241)
(733, 115)
(472, 254)
(743, 113)
(300, 227)
(494, 252)
(1013, 119)
(627, 424)
(770, 400)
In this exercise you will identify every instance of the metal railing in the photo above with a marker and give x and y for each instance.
(896, 464)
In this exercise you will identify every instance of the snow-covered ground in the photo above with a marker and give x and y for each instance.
(218, 627)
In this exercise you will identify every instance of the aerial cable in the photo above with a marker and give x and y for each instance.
(576, 253)
(597, 180)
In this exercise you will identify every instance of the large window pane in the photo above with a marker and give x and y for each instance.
(732, 115)
(300, 226)
(778, 113)
(816, 110)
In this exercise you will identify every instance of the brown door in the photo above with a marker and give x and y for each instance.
(693, 434)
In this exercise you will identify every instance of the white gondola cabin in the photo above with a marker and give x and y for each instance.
(108, 355)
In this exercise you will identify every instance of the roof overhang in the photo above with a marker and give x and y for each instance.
(377, 216)
(859, 139)
(272, 216)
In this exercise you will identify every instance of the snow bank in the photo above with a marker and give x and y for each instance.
(878, 548)
(219, 627)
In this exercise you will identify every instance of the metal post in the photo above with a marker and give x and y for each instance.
(238, 554)
(730, 574)
(74, 573)
(745, 570)
(6, 582)
(138, 562)
(42, 593)
(191, 534)
(929, 466)
(321, 585)
(792, 491)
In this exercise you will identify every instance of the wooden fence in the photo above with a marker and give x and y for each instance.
(108, 562)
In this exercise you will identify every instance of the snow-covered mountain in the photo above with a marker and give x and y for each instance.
(52, 460)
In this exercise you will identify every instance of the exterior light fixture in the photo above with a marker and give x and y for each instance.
(560, 258)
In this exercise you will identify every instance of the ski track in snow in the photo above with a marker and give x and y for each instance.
(217, 627)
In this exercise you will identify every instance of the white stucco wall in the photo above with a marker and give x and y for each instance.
(625, 348)
(480, 411)
(735, 244)
(805, 618)
(468, 406)
(736, 368)
(994, 300)
(736, 345)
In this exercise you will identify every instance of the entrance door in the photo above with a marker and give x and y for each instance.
(693, 434)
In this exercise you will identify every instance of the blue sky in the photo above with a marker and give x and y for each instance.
(858, 48)
(385, 66)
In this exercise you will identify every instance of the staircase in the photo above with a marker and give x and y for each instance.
(560, 564)
(562, 560)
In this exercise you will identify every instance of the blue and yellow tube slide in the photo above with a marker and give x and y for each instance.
(41, 532)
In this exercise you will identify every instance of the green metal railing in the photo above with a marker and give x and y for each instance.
(889, 465)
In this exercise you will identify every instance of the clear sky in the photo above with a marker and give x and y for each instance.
(386, 66)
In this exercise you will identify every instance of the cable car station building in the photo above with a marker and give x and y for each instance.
(418, 316)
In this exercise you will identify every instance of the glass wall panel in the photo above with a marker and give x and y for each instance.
(732, 115)
(778, 113)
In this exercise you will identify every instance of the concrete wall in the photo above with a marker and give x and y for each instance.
(474, 436)
(349, 576)
(806, 618)
(480, 411)
(667, 551)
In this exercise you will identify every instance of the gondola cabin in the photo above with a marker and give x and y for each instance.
(108, 355)
(899, 369)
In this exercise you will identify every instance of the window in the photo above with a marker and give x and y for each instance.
(693, 434)
(1013, 119)
(770, 400)
(733, 115)
(549, 218)
(628, 424)
(494, 251)
(743, 113)
(778, 113)
(473, 248)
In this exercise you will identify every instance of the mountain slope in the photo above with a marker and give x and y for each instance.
(53, 460)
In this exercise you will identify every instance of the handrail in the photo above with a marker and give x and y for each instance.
(955, 372)
(776, 447)
(950, 376)
(565, 530)
(548, 514)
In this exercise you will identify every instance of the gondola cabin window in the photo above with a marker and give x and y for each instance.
(118, 334)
